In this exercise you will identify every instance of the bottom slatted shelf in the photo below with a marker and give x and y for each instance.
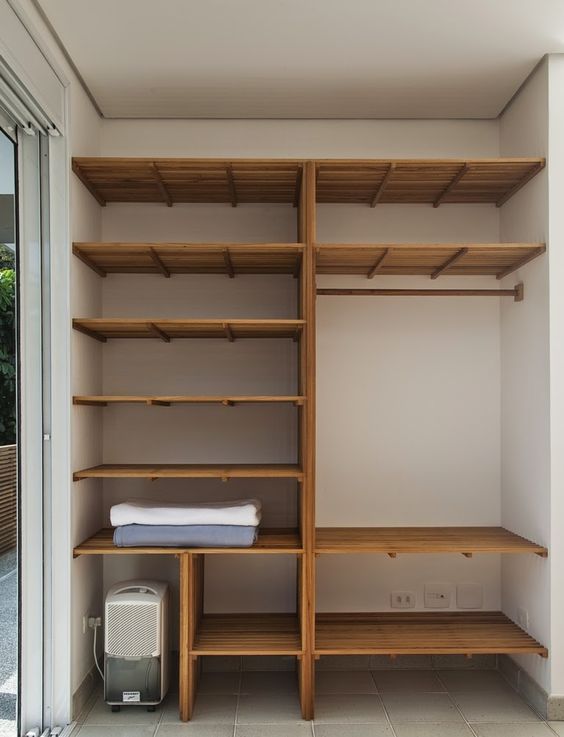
(247, 634)
(422, 633)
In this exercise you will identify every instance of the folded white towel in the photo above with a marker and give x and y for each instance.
(143, 512)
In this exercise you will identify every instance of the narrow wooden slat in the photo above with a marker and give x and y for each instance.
(515, 293)
(464, 169)
(449, 262)
(161, 185)
(247, 634)
(410, 540)
(384, 183)
(158, 263)
(422, 633)
(104, 400)
(378, 263)
(189, 470)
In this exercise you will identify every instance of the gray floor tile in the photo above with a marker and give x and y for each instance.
(494, 706)
(349, 709)
(274, 730)
(420, 707)
(256, 682)
(411, 662)
(209, 708)
(219, 683)
(473, 680)
(407, 680)
(102, 731)
(334, 681)
(558, 727)
(269, 708)
(512, 730)
(343, 662)
(353, 730)
(432, 729)
(102, 715)
(194, 730)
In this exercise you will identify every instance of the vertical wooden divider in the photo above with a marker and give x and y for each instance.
(306, 579)
(184, 636)
(191, 610)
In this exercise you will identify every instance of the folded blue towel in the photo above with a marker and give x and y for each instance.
(185, 536)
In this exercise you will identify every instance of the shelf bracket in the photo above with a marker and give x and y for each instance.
(158, 403)
(228, 332)
(161, 185)
(89, 186)
(449, 262)
(378, 263)
(231, 185)
(227, 403)
(392, 555)
(298, 266)
(521, 262)
(158, 263)
(382, 186)
(88, 261)
(89, 333)
(158, 333)
(533, 171)
(467, 555)
(453, 182)
(228, 263)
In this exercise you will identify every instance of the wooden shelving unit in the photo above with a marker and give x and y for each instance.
(165, 400)
(270, 541)
(104, 329)
(427, 259)
(167, 259)
(302, 184)
(422, 633)
(190, 471)
(394, 541)
(247, 634)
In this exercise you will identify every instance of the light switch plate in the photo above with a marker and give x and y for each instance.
(469, 596)
(437, 595)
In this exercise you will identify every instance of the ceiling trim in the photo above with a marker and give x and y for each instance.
(68, 58)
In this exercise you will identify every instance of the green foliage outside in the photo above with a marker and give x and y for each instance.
(7, 347)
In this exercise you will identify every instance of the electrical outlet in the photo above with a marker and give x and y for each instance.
(437, 595)
(523, 618)
(402, 600)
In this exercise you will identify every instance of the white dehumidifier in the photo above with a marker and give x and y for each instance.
(136, 644)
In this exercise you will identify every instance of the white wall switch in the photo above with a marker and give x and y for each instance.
(402, 600)
(437, 595)
(469, 596)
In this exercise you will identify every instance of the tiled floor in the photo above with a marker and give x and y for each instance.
(465, 703)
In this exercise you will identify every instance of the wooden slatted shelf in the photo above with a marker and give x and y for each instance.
(190, 471)
(102, 400)
(247, 634)
(190, 258)
(428, 259)
(103, 329)
(423, 181)
(398, 540)
(422, 633)
(178, 180)
(270, 541)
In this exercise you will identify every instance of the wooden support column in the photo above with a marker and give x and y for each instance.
(306, 595)
(184, 638)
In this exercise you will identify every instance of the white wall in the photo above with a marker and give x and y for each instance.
(525, 396)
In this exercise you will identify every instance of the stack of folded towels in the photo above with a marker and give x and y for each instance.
(205, 524)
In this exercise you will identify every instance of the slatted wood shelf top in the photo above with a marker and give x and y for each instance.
(103, 329)
(190, 258)
(423, 181)
(270, 541)
(429, 259)
(422, 633)
(179, 180)
(190, 471)
(247, 634)
(102, 400)
(399, 540)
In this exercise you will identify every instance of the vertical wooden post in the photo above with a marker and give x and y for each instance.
(184, 618)
(307, 443)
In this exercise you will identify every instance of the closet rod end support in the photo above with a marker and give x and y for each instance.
(519, 292)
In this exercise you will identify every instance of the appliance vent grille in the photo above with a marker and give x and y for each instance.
(132, 630)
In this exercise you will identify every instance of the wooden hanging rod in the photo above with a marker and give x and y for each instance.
(517, 292)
